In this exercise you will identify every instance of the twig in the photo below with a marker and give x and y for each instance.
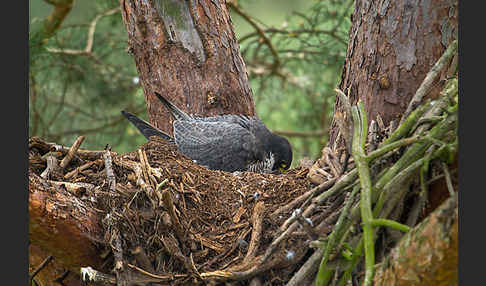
(89, 43)
(294, 32)
(390, 223)
(407, 125)
(448, 178)
(77, 188)
(309, 194)
(169, 206)
(272, 247)
(140, 182)
(88, 274)
(266, 40)
(88, 154)
(306, 224)
(70, 154)
(39, 268)
(309, 268)
(360, 134)
(110, 175)
(427, 83)
(159, 278)
(324, 273)
(392, 146)
(56, 18)
(80, 168)
(332, 161)
(52, 166)
(116, 248)
(256, 233)
(146, 169)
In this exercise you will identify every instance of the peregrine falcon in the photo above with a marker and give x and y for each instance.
(225, 142)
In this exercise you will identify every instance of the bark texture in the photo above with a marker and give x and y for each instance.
(188, 52)
(392, 46)
(63, 226)
(427, 255)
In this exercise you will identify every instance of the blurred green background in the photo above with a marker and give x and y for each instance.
(73, 95)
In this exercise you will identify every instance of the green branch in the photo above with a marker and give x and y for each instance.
(390, 223)
(359, 141)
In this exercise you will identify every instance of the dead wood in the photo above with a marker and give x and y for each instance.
(428, 254)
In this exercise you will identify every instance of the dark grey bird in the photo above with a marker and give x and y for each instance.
(224, 142)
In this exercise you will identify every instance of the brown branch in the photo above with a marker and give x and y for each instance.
(256, 233)
(56, 18)
(39, 268)
(70, 154)
(170, 207)
(266, 40)
(89, 43)
(309, 194)
(52, 166)
(80, 169)
(295, 33)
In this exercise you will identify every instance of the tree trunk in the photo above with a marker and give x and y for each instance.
(392, 46)
(187, 51)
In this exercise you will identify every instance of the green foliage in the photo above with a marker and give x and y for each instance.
(72, 95)
(298, 95)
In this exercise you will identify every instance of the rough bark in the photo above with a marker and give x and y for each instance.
(63, 226)
(428, 254)
(188, 52)
(392, 46)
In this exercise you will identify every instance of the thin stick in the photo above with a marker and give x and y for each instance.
(311, 193)
(70, 154)
(390, 223)
(309, 268)
(80, 168)
(159, 277)
(110, 175)
(256, 233)
(306, 224)
(40, 267)
(169, 206)
(448, 178)
(360, 134)
(52, 165)
(89, 42)
(266, 40)
(324, 273)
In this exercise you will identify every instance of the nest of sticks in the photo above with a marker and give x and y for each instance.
(170, 219)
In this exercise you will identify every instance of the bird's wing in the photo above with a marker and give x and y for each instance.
(218, 145)
(144, 127)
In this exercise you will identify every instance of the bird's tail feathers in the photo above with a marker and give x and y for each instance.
(144, 127)
(174, 110)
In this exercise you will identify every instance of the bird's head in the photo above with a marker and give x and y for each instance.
(282, 152)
